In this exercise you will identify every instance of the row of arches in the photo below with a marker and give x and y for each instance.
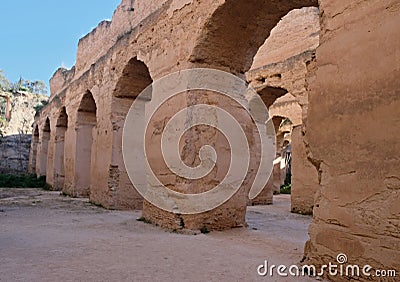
(84, 151)
(67, 146)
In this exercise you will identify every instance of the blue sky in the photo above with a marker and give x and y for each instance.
(38, 36)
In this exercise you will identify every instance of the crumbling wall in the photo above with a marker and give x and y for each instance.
(126, 17)
(14, 153)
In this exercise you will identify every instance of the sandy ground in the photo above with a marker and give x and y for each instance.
(48, 237)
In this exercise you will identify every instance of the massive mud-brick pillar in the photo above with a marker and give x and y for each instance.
(119, 193)
(42, 153)
(232, 212)
(354, 109)
(85, 124)
(304, 177)
(33, 151)
(274, 182)
(59, 145)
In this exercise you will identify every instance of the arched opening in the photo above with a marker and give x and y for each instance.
(272, 43)
(135, 78)
(279, 74)
(44, 148)
(236, 31)
(282, 164)
(233, 35)
(229, 41)
(285, 113)
(85, 124)
(34, 150)
(61, 128)
(270, 94)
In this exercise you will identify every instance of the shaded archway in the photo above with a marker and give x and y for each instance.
(135, 78)
(44, 148)
(61, 128)
(234, 34)
(237, 29)
(85, 123)
(229, 40)
(282, 164)
(270, 94)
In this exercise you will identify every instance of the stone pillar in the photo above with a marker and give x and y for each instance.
(123, 194)
(50, 161)
(84, 141)
(304, 176)
(59, 169)
(33, 152)
(352, 136)
(43, 152)
(230, 213)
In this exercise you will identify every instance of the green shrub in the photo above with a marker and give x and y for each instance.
(204, 230)
(22, 181)
(286, 189)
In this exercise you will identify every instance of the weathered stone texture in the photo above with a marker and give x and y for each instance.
(354, 108)
(304, 176)
(14, 153)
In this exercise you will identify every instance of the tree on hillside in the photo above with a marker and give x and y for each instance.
(36, 86)
(17, 86)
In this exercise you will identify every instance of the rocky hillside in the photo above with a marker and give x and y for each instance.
(16, 129)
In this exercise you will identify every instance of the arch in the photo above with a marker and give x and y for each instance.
(237, 29)
(85, 124)
(87, 106)
(134, 79)
(283, 140)
(59, 167)
(289, 107)
(44, 147)
(62, 120)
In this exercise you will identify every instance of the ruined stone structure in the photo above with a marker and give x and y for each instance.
(341, 147)
(279, 67)
(16, 130)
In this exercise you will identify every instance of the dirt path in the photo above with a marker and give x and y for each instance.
(48, 237)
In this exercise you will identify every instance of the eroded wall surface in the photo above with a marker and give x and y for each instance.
(354, 102)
